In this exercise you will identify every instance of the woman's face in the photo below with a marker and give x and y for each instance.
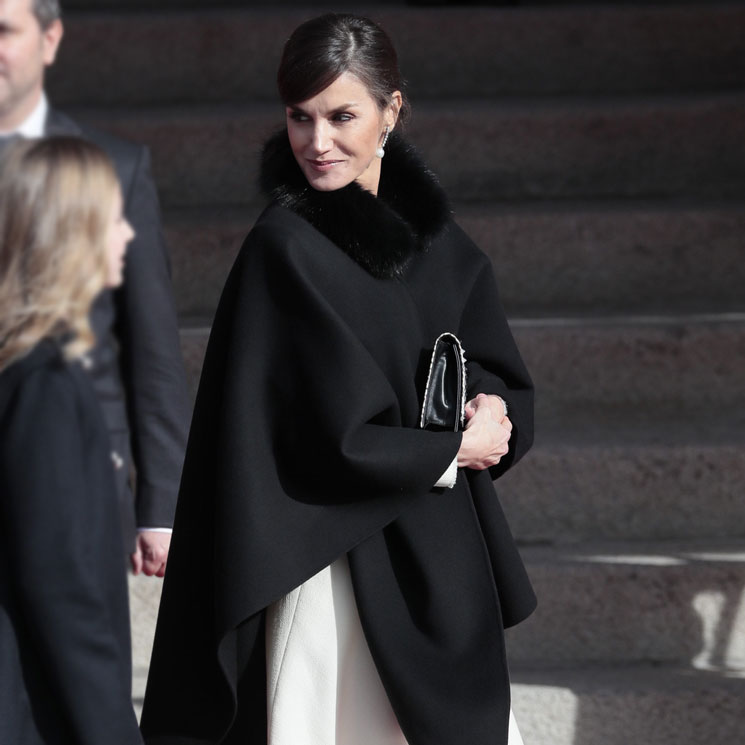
(334, 134)
(119, 233)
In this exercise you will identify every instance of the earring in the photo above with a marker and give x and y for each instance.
(380, 152)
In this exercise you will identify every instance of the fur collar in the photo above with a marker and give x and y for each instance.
(380, 233)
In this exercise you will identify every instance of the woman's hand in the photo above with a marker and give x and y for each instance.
(487, 435)
(496, 405)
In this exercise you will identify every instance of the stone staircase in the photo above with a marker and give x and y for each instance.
(597, 153)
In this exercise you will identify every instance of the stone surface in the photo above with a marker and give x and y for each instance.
(600, 258)
(674, 603)
(232, 54)
(144, 598)
(583, 367)
(620, 487)
(481, 150)
(572, 148)
(577, 258)
(203, 245)
(632, 705)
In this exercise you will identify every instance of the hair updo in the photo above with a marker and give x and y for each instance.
(322, 49)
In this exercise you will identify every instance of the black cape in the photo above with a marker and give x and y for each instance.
(305, 446)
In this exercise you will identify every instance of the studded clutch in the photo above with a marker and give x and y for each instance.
(444, 405)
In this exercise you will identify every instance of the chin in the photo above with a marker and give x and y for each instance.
(327, 182)
(325, 186)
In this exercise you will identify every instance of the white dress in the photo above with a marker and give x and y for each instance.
(322, 684)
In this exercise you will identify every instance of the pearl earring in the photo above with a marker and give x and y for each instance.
(380, 152)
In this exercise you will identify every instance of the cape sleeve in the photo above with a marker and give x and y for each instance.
(494, 364)
(335, 417)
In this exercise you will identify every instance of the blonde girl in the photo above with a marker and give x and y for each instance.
(65, 667)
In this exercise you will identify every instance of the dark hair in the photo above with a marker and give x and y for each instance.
(322, 49)
(46, 12)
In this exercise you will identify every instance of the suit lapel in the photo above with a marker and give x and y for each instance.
(59, 124)
(6, 140)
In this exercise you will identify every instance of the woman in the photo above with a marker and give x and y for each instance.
(65, 669)
(323, 586)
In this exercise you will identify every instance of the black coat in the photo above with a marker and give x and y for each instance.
(65, 661)
(305, 446)
(138, 371)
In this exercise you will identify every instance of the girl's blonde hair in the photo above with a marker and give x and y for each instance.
(56, 198)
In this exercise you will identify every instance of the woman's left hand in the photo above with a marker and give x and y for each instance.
(496, 405)
(486, 437)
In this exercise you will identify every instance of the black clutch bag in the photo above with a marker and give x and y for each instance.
(444, 406)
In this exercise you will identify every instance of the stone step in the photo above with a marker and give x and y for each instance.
(671, 603)
(624, 257)
(311, 6)
(553, 149)
(624, 473)
(602, 609)
(232, 54)
(144, 599)
(649, 448)
(203, 244)
(575, 258)
(582, 367)
(629, 706)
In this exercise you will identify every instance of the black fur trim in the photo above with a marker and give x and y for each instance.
(380, 233)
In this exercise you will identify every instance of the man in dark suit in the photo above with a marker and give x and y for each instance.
(137, 367)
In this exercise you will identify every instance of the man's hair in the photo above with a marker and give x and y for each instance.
(46, 11)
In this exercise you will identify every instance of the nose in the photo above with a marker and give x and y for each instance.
(322, 141)
(129, 231)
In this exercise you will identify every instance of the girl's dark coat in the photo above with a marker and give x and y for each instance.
(305, 445)
(65, 661)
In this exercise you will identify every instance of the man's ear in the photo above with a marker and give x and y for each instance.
(51, 38)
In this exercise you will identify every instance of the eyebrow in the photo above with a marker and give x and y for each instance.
(336, 110)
